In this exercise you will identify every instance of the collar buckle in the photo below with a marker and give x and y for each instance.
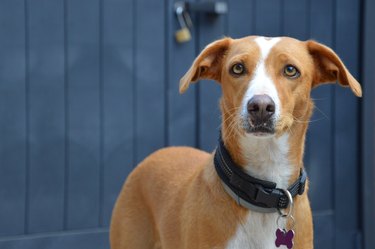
(268, 198)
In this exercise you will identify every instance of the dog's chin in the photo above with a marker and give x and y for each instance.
(260, 131)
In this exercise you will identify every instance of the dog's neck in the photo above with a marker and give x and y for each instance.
(267, 158)
(277, 158)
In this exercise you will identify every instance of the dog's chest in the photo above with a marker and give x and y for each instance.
(257, 231)
(267, 161)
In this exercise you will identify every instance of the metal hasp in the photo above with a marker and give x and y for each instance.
(183, 34)
(183, 9)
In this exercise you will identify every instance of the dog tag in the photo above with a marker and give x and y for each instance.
(285, 238)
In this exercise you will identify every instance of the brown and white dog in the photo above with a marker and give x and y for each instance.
(175, 199)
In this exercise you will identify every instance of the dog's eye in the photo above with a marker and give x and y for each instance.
(238, 69)
(291, 71)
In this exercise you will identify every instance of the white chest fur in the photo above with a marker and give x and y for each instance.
(256, 232)
(267, 160)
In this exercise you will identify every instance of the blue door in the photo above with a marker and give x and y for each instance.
(88, 88)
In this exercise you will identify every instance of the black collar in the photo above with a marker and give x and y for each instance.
(250, 192)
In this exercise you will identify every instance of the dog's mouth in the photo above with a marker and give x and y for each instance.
(266, 128)
(261, 131)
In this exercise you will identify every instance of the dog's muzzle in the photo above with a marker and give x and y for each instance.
(260, 115)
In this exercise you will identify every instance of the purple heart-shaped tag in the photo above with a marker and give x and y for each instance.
(284, 238)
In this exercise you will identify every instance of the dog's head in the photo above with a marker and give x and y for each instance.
(266, 82)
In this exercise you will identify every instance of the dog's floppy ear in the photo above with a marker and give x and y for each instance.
(207, 65)
(330, 68)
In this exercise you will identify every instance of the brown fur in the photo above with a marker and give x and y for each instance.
(174, 198)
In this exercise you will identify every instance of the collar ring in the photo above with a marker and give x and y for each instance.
(290, 201)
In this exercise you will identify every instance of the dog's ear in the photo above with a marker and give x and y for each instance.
(207, 65)
(330, 68)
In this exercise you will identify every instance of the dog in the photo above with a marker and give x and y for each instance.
(251, 192)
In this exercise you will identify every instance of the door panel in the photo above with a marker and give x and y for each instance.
(45, 118)
(346, 129)
(268, 17)
(149, 68)
(12, 109)
(241, 18)
(296, 19)
(83, 100)
(324, 230)
(97, 238)
(182, 109)
(118, 100)
(320, 154)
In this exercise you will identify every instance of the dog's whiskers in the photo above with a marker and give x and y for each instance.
(232, 128)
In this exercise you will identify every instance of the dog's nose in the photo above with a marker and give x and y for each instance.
(260, 108)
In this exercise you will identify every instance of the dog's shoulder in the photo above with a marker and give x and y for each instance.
(169, 166)
(174, 158)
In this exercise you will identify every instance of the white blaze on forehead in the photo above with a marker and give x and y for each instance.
(261, 82)
(265, 45)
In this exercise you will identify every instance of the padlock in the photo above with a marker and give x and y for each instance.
(183, 34)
